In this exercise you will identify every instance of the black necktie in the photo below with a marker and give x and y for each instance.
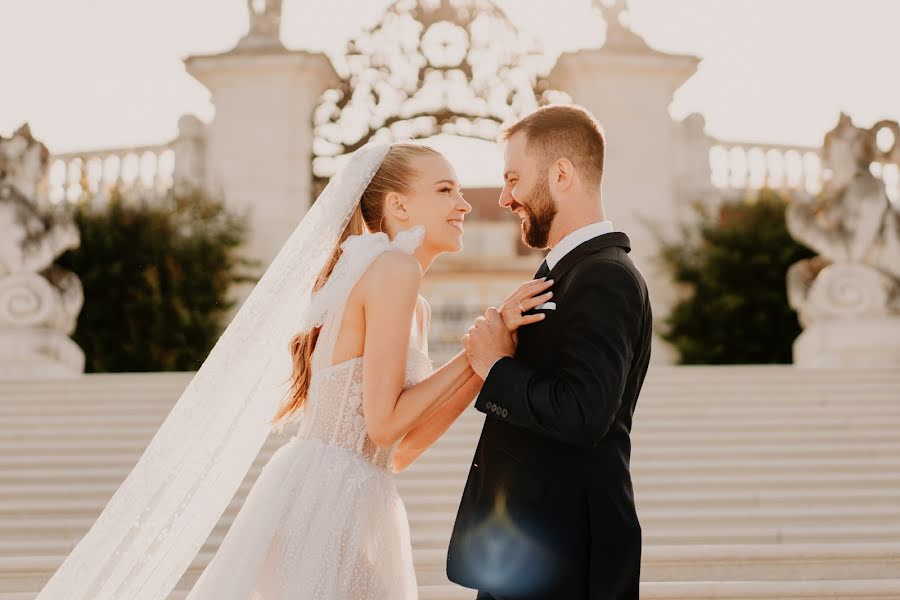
(542, 271)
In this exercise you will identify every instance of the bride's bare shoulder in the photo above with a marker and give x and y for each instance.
(394, 271)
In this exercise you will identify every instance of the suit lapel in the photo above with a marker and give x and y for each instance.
(585, 249)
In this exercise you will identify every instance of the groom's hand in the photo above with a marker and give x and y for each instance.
(487, 342)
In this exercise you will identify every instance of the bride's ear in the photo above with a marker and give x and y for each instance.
(396, 205)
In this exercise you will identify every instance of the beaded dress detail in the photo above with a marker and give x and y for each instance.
(324, 519)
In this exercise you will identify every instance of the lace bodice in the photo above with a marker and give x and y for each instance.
(334, 411)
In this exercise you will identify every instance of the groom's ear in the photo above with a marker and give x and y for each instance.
(563, 174)
(396, 205)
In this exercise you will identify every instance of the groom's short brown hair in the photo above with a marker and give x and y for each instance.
(564, 131)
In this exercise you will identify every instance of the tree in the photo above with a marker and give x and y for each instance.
(156, 277)
(733, 263)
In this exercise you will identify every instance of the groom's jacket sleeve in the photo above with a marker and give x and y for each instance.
(578, 402)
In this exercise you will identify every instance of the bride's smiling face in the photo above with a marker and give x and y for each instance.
(434, 199)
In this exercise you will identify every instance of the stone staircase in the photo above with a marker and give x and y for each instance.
(751, 482)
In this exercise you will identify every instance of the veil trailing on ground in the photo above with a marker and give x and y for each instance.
(156, 522)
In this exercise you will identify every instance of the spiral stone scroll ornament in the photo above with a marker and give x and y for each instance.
(850, 291)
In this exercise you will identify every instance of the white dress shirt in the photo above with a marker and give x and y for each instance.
(575, 239)
(569, 243)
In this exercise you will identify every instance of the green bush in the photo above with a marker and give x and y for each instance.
(156, 277)
(733, 264)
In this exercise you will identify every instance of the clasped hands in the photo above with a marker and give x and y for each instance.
(494, 335)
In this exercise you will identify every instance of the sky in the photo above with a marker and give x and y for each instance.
(89, 74)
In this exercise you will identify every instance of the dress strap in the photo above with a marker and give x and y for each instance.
(327, 306)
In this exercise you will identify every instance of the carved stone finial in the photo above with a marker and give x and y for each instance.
(619, 36)
(265, 25)
(612, 11)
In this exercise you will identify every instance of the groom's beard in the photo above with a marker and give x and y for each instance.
(540, 210)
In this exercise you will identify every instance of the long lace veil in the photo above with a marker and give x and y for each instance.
(157, 520)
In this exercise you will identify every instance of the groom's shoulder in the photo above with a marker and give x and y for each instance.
(609, 267)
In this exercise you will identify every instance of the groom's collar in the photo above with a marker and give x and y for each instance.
(585, 249)
(575, 239)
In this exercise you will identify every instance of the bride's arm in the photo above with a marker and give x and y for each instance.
(421, 437)
(390, 411)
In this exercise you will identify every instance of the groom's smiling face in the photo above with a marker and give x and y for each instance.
(526, 192)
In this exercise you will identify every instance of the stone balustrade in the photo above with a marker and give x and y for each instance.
(145, 168)
(737, 166)
(150, 170)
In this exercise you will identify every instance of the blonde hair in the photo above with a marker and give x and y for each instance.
(394, 175)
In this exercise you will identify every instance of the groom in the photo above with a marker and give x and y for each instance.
(548, 509)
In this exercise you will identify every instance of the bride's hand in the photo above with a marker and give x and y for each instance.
(527, 296)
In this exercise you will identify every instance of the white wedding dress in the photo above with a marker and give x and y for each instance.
(324, 520)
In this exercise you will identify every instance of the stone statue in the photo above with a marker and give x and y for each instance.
(612, 10)
(618, 35)
(853, 285)
(265, 25)
(693, 174)
(39, 301)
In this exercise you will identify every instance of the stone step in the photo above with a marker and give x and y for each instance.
(444, 450)
(657, 373)
(724, 390)
(136, 421)
(64, 497)
(742, 563)
(665, 529)
(749, 477)
(708, 520)
(751, 482)
(659, 563)
(13, 467)
(822, 561)
(729, 395)
(49, 540)
(810, 483)
(434, 480)
(837, 492)
(75, 516)
(877, 589)
(733, 534)
(467, 438)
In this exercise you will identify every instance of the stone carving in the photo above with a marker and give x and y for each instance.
(190, 154)
(265, 25)
(619, 36)
(39, 301)
(693, 175)
(848, 297)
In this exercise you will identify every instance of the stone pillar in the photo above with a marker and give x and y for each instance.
(628, 87)
(258, 148)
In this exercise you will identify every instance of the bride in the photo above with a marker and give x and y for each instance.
(337, 314)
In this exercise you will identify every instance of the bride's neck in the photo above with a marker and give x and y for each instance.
(424, 256)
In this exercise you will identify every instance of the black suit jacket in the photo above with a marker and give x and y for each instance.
(548, 508)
